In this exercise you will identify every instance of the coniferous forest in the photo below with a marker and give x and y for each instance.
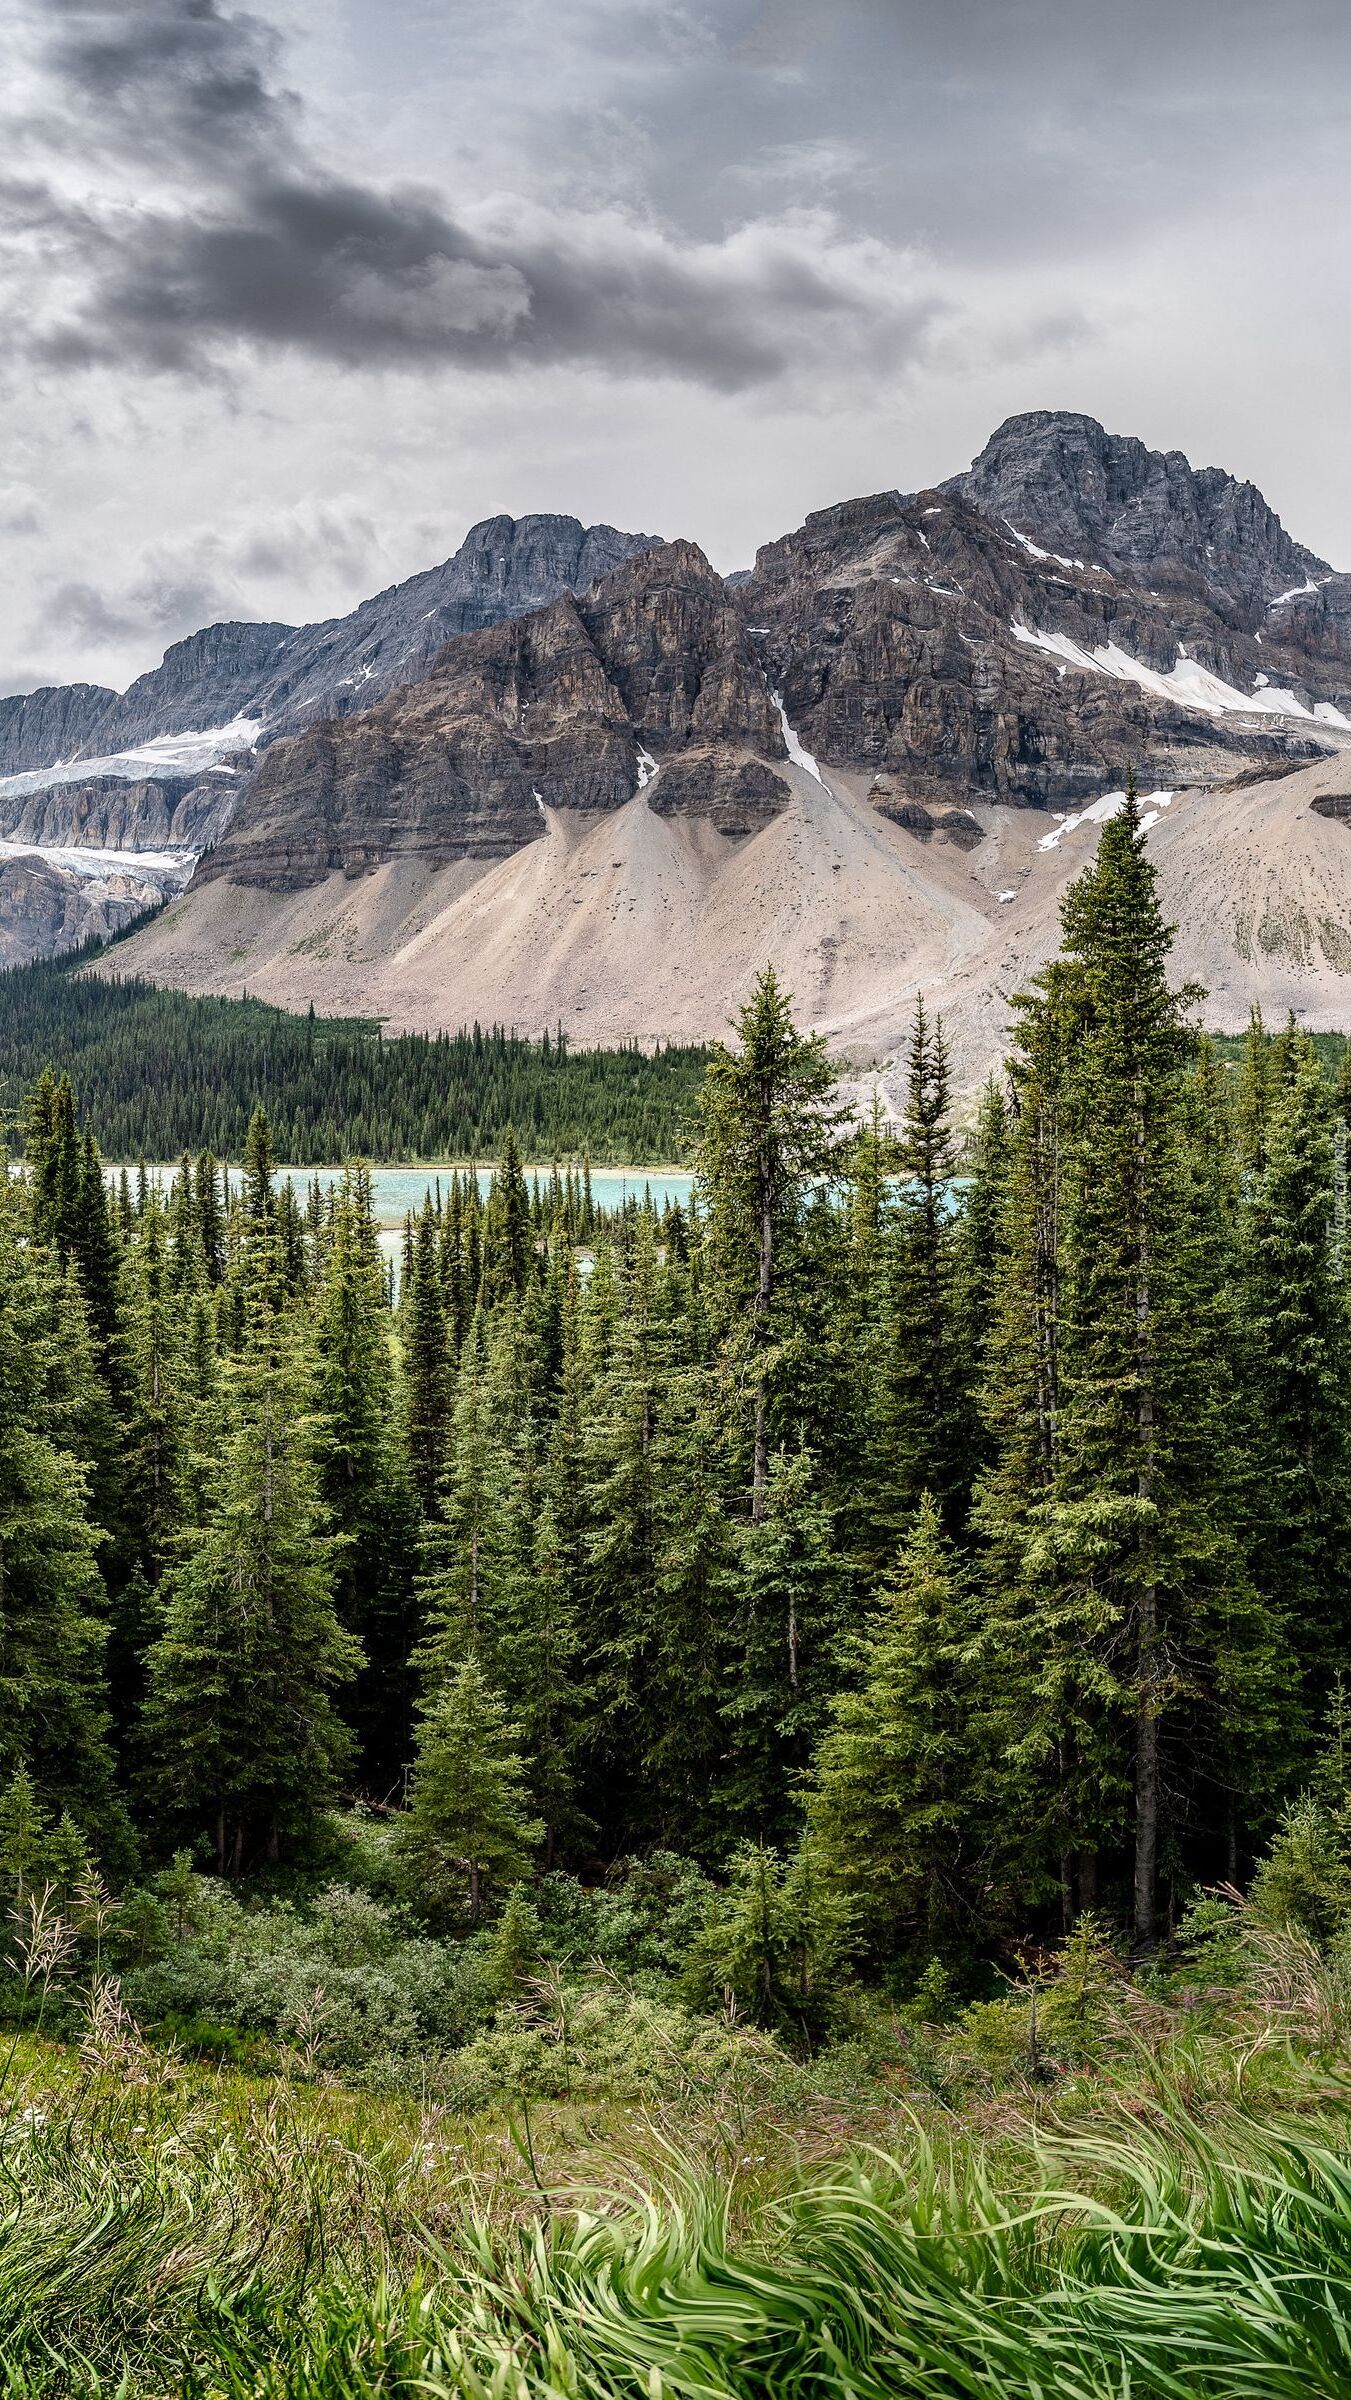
(874, 1638)
(160, 1072)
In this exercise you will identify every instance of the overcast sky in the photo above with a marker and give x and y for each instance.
(293, 295)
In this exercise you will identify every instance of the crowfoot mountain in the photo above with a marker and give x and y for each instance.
(171, 743)
(877, 757)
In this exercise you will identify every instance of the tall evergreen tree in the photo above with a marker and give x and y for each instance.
(53, 1708)
(467, 1831)
(1132, 1565)
(365, 1489)
(771, 1128)
(241, 1729)
(902, 1800)
(428, 1367)
(1299, 1395)
(925, 1434)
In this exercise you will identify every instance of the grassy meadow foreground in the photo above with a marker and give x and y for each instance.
(751, 1797)
(1097, 2183)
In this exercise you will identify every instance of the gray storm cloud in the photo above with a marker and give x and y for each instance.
(292, 294)
(255, 243)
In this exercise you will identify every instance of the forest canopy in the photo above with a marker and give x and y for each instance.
(161, 1071)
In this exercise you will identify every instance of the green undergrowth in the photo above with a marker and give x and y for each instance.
(1102, 2182)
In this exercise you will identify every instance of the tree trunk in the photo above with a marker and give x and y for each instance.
(1146, 1658)
(764, 1293)
(1146, 1774)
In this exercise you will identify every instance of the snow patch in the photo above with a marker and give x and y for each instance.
(168, 866)
(168, 754)
(647, 768)
(1099, 811)
(799, 756)
(1034, 551)
(1187, 683)
(1298, 591)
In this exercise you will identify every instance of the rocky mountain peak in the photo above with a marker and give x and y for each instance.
(1148, 516)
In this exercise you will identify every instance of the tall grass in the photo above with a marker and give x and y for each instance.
(152, 2244)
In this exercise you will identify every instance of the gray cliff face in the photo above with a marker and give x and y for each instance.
(1192, 534)
(551, 710)
(277, 677)
(504, 568)
(898, 629)
(286, 676)
(111, 812)
(45, 908)
(1028, 632)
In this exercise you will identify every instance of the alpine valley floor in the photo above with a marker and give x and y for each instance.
(633, 924)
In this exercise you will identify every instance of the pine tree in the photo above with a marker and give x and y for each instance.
(53, 1707)
(771, 1129)
(1299, 1391)
(1252, 1106)
(239, 1719)
(900, 1793)
(467, 1830)
(925, 1433)
(508, 1239)
(775, 1943)
(427, 1374)
(785, 1644)
(365, 1490)
(1132, 1565)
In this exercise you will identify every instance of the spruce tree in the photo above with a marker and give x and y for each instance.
(53, 1706)
(925, 1433)
(900, 1792)
(1299, 1394)
(365, 1489)
(784, 1648)
(771, 1128)
(1133, 1567)
(467, 1831)
(241, 1731)
(427, 1366)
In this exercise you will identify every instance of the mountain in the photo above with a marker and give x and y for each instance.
(227, 691)
(878, 756)
(563, 708)
(1191, 537)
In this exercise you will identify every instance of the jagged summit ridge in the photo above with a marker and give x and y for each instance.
(1147, 515)
(650, 678)
(285, 676)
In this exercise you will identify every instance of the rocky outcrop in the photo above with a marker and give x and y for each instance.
(284, 676)
(575, 707)
(46, 907)
(110, 812)
(927, 641)
(1072, 608)
(1196, 538)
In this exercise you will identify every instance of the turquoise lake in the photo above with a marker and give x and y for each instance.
(397, 1189)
